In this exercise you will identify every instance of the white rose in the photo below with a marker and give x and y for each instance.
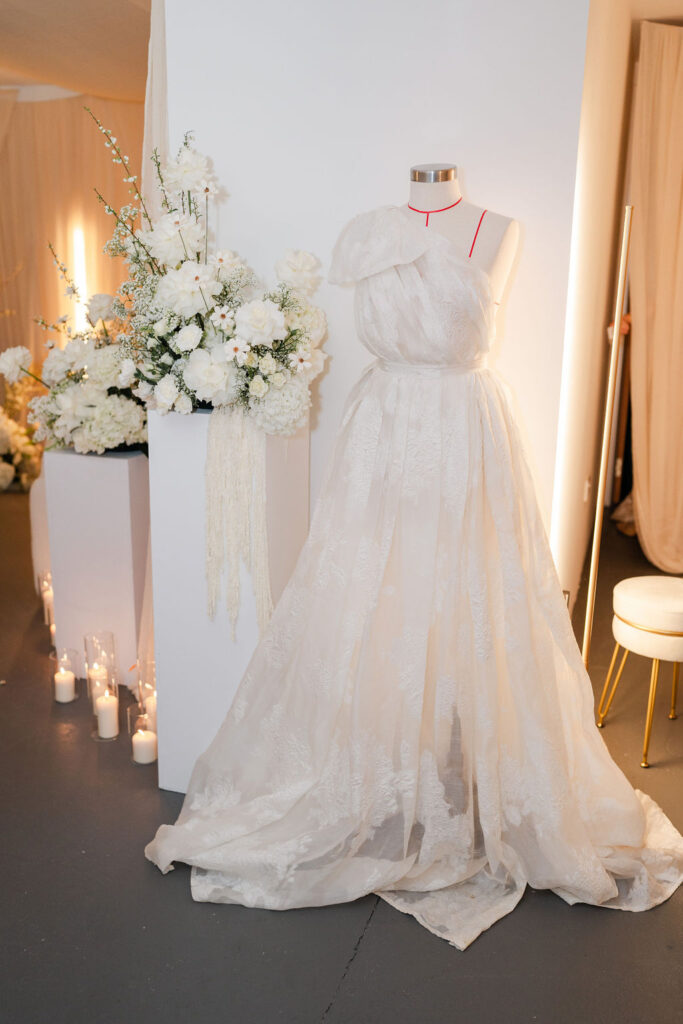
(126, 373)
(161, 327)
(310, 320)
(250, 360)
(278, 379)
(183, 404)
(13, 361)
(166, 392)
(187, 338)
(211, 379)
(188, 289)
(300, 270)
(56, 366)
(144, 390)
(100, 307)
(187, 172)
(267, 364)
(260, 322)
(174, 237)
(258, 387)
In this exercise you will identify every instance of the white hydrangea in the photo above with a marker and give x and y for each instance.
(282, 410)
(104, 366)
(188, 289)
(115, 421)
(173, 237)
(300, 270)
(13, 361)
(260, 322)
(81, 351)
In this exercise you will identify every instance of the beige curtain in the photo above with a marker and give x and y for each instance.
(51, 157)
(657, 296)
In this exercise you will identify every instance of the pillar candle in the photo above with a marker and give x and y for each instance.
(144, 746)
(65, 686)
(48, 605)
(97, 677)
(107, 711)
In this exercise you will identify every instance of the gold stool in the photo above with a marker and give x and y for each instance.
(648, 620)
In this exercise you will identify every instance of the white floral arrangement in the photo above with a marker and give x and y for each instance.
(85, 407)
(19, 454)
(200, 330)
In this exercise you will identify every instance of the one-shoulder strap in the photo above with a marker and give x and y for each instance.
(476, 233)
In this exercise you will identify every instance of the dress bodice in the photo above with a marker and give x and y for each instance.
(419, 300)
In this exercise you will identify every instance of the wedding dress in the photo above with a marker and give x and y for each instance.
(416, 720)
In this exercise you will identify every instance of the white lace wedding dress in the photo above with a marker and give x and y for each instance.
(417, 721)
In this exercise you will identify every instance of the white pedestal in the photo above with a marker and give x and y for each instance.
(98, 518)
(40, 540)
(198, 665)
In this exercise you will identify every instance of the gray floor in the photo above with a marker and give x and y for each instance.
(93, 933)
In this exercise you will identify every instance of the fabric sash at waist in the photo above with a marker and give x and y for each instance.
(427, 370)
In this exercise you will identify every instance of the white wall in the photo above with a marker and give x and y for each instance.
(315, 111)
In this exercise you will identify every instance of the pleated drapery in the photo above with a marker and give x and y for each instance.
(657, 296)
(51, 158)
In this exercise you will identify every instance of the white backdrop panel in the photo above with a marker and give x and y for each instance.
(314, 112)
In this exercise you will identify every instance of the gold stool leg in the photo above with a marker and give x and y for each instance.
(674, 691)
(603, 707)
(650, 711)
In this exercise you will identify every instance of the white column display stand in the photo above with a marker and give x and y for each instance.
(98, 519)
(40, 540)
(198, 665)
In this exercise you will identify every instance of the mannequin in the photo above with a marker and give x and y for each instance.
(488, 239)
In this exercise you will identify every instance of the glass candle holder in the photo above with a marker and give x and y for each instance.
(47, 596)
(100, 664)
(107, 713)
(147, 691)
(65, 676)
(143, 737)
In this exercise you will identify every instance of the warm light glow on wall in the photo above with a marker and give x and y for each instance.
(566, 436)
(80, 279)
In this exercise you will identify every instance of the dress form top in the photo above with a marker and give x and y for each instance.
(489, 239)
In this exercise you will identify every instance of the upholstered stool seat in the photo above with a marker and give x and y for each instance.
(648, 620)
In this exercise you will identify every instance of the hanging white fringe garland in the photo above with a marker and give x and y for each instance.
(236, 529)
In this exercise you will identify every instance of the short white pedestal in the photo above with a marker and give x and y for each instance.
(40, 540)
(199, 667)
(98, 519)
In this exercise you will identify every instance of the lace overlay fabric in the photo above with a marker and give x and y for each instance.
(416, 720)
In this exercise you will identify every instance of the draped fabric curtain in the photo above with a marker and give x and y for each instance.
(657, 296)
(51, 158)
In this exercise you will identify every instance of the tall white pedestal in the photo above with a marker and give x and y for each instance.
(198, 665)
(40, 540)
(98, 520)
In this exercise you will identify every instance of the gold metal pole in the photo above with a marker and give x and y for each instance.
(606, 433)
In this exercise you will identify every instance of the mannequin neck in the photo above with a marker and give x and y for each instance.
(427, 195)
